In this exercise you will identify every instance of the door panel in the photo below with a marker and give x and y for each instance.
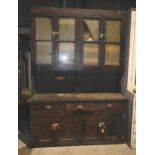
(67, 53)
(43, 28)
(112, 54)
(90, 127)
(67, 29)
(113, 30)
(44, 136)
(70, 128)
(91, 30)
(44, 52)
(111, 127)
(91, 52)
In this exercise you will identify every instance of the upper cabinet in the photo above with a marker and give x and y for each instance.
(77, 50)
(77, 38)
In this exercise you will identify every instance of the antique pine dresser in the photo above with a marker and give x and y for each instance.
(77, 66)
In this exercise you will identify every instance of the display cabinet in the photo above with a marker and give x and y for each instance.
(77, 66)
(77, 50)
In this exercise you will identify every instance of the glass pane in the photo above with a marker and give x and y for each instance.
(90, 54)
(67, 29)
(43, 28)
(90, 30)
(112, 54)
(66, 53)
(113, 29)
(44, 53)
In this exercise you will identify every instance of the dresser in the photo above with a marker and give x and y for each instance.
(77, 66)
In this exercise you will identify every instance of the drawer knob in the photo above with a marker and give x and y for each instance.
(48, 107)
(80, 107)
(109, 105)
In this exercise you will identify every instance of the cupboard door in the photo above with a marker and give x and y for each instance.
(40, 132)
(111, 127)
(70, 128)
(90, 128)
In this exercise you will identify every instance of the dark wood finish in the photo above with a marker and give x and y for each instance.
(77, 119)
(78, 77)
(77, 112)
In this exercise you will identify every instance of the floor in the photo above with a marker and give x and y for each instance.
(117, 149)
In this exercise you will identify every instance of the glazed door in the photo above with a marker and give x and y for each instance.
(57, 41)
(101, 42)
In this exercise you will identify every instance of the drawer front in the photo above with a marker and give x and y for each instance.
(47, 107)
(80, 107)
(110, 106)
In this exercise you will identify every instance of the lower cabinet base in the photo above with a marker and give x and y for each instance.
(66, 123)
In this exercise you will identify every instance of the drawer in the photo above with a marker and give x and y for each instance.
(80, 107)
(48, 107)
(110, 106)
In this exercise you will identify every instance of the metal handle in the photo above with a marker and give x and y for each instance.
(80, 107)
(48, 107)
(60, 78)
(109, 105)
(54, 127)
